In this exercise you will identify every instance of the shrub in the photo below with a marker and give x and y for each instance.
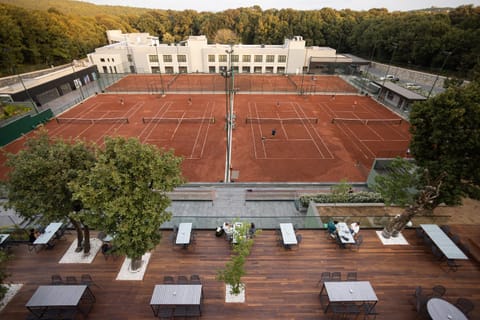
(357, 197)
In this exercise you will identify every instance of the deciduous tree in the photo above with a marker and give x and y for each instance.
(125, 194)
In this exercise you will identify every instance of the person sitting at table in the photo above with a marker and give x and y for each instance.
(332, 228)
(228, 228)
(252, 230)
(33, 235)
(355, 228)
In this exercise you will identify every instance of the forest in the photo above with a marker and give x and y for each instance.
(38, 34)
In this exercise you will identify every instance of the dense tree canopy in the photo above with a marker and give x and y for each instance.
(446, 138)
(48, 32)
(38, 181)
(124, 194)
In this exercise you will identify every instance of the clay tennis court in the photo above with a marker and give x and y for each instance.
(305, 147)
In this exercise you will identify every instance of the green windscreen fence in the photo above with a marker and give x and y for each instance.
(23, 125)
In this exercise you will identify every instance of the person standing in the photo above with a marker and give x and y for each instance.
(274, 132)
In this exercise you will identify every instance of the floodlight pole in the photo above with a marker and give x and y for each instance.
(80, 87)
(228, 73)
(395, 46)
(448, 54)
(159, 69)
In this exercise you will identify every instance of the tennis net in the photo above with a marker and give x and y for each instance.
(367, 121)
(281, 120)
(178, 120)
(92, 121)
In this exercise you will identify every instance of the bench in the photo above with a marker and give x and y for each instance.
(192, 195)
(270, 195)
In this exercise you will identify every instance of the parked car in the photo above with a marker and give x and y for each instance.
(412, 85)
(390, 77)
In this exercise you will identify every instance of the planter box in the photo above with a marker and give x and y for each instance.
(231, 298)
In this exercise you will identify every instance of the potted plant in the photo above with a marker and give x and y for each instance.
(234, 269)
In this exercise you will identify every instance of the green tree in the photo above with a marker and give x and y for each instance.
(38, 180)
(235, 268)
(125, 194)
(446, 139)
(340, 191)
(398, 184)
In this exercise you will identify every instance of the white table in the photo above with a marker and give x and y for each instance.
(50, 230)
(3, 238)
(344, 233)
(60, 297)
(439, 309)
(443, 242)
(175, 295)
(288, 234)
(349, 291)
(183, 234)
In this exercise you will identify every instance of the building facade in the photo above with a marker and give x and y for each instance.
(143, 53)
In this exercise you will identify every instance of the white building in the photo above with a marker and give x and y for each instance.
(142, 53)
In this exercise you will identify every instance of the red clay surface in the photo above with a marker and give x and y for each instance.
(242, 83)
(298, 152)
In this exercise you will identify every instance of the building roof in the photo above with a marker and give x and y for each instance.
(405, 93)
(340, 58)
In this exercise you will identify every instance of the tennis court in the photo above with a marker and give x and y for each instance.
(276, 137)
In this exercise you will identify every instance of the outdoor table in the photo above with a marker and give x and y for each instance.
(443, 242)
(52, 301)
(349, 291)
(3, 238)
(177, 296)
(183, 234)
(344, 233)
(439, 309)
(50, 231)
(288, 234)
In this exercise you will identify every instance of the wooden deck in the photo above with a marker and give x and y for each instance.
(280, 284)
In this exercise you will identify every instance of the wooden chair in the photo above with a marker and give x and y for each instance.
(57, 280)
(438, 291)
(465, 305)
(325, 276)
(336, 276)
(195, 279)
(358, 243)
(71, 280)
(352, 276)
(168, 280)
(182, 280)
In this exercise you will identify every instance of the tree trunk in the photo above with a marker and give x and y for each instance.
(86, 244)
(136, 263)
(77, 227)
(424, 202)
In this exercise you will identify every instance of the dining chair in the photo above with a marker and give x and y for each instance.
(182, 280)
(336, 276)
(465, 305)
(168, 280)
(166, 312)
(352, 276)
(369, 311)
(456, 239)
(358, 243)
(445, 229)
(195, 279)
(452, 265)
(438, 291)
(86, 279)
(325, 276)
(57, 280)
(437, 253)
(71, 280)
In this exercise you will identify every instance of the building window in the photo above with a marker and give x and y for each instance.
(281, 70)
(390, 95)
(211, 69)
(169, 70)
(211, 58)
(235, 58)
(129, 58)
(258, 58)
(235, 69)
(105, 69)
(268, 69)
(113, 60)
(167, 58)
(152, 58)
(182, 58)
(155, 69)
(246, 58)
(282, 58)
(182, 70)
(245, 69)
(257, 70)
(222, 58)
(270, 58)
(102, 59)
